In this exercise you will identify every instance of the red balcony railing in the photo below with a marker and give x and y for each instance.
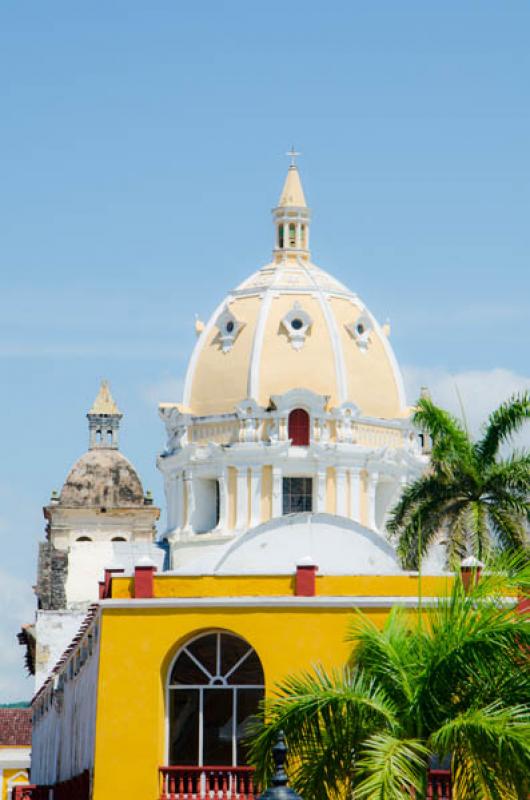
(439, 785)
(204, 783)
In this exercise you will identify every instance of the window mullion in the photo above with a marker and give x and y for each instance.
(234, 727)
(201, 727)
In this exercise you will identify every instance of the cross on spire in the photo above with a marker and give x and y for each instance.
(293, 155)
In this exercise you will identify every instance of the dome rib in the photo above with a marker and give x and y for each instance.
(340, 366)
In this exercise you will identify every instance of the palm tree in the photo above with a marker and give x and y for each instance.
(476, 497)
(454, 688)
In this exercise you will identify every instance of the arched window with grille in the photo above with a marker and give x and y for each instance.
(215, 686)
(298, 427)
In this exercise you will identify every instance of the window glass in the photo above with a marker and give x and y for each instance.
(232, 650)
(205, 651)
(249, 671)
(184, 729)
(248, 705)
(218, 726)
(186, 672)
(297, 495)
(209, 712)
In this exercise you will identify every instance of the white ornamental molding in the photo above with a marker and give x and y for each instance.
(297, 324)
(176, 425)
(300, 398)
(229, 329)
(360, 331)
(345, 416)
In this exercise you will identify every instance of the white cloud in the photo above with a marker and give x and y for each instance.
(475, 392)
(18, 607)
(166, 390)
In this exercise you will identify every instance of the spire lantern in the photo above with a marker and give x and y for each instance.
(292, 216)
(104, 420)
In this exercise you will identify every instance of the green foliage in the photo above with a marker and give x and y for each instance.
(455, 686)
(479, 500)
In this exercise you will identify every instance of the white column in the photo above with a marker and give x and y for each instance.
(255, 496)
(320, 495)
(178, 490)
(223, 500)
(277, 509)
(189, 500)
(340, 489)
(355, 492)
(242, 498)
(373, 478)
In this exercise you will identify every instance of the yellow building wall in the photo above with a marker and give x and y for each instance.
(10, 778)
(331, 493)
(363, 500)
(136, 650)
(138, 644)
(266, 493)
(284, 586)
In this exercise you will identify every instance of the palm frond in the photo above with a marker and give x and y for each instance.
(391, 768)
(449, 439)
(493, 742)
(509, 527)
(389, 654)
(324, 716)
(502, 423)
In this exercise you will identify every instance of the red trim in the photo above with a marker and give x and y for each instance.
(470, 576)
(305, 580)
(144, 581)
(107, 582)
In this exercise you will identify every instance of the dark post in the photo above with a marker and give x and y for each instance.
(279, 789)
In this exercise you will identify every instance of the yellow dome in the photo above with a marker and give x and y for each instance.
(289, 326)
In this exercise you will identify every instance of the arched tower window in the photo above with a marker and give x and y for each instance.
(298, 428)
(215, 687)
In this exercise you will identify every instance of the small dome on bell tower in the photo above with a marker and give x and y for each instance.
(104, 420)
(292, 216)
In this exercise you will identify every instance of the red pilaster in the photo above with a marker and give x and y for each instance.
(144, 580)
(106, 590)
(305, 581)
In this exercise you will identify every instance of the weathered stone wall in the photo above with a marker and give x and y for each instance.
(52, 572)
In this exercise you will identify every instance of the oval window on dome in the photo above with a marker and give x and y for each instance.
(297, 324)
(229, 326)
(360, 329)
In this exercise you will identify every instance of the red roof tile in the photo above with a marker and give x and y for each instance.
(15, 727)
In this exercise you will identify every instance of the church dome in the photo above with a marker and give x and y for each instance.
(102, 478)
(292, 325)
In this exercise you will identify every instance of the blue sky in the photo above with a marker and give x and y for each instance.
(141, 150)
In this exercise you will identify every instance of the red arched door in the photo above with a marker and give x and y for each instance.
(299, 427)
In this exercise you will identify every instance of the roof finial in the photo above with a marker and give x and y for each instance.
(293, 155)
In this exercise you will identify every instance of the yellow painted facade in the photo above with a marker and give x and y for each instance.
(12, 776)
(139, 643)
